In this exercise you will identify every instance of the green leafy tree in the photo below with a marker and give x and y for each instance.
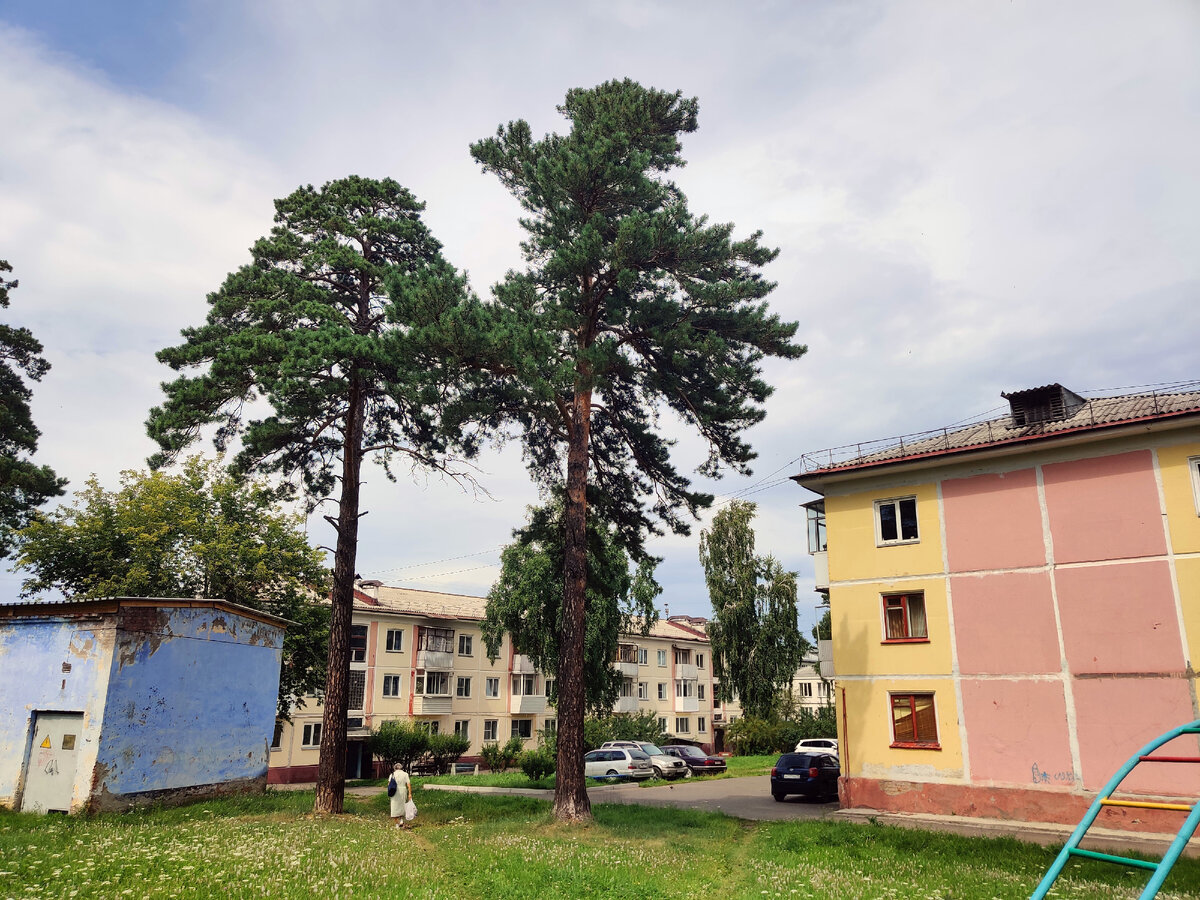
(756, 642)
(622, 727)
(537, 764)
(630, 306)
(308, 327)
(23, 485)
(445, 749)
(398, 741)
(199, 532)
(526, 602)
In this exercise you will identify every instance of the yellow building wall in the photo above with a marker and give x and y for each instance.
(1187, 571)
(852, 553)
(1180, 498)
(866, 750)
(857, 618)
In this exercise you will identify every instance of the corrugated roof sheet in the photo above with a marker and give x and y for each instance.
(1096, 413)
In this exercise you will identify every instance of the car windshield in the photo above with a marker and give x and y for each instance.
(652, 749)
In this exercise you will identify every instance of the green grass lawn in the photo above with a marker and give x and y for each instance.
(471, 846)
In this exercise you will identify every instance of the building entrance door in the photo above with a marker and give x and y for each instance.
(50, 767)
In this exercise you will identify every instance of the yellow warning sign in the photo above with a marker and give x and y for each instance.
(46, 742)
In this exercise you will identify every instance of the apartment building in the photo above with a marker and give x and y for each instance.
(1015, 603)
(419, 655)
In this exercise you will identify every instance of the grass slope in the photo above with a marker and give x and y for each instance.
(470, 846)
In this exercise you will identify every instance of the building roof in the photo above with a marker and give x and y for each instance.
(1096, 414)
(71, 606)
(376, 597)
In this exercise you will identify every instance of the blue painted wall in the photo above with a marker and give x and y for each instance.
(191, 700)
(33, 655)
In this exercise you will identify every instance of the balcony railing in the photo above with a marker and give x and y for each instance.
(626, 669)
(626, 705)
(687, 671)
(821, 570)
(523, 665)
(432, 705)
(527, 703)
(687, 704)
(438, 660)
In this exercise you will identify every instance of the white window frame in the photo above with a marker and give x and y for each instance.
(423, 684)
(462, 687)
(700, 692)
(662, 690)
(699, 660)
(683, 725)
(643, 656)
(662, 657)
(392, 681)
(395, 640)
(643, 690)
(524, 685)
(683, 656)
(551, 726)
(521, 725)
(899, 539)
(806, 690)
(662, 724)
(465, 641)
(491, 688)
(359, 653)
(685, 688)
(462, 728)
(311, 735)
(1194, 468)
(491, 728)
(701, 725)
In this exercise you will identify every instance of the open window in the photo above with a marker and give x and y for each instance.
(904, 617)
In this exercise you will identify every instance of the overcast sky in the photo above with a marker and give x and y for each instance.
(968, 198)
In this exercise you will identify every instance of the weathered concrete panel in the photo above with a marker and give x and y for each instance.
(51, 664)
(192, 697)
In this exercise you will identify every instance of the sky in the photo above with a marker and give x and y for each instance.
(967, 198)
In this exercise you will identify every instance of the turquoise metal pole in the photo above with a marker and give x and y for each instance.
(1094, 810)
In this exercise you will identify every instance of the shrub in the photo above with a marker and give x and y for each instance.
(444, 749)
(512, 751)
(398, 741)
(493, 757)
(537, 764)
(622, 727)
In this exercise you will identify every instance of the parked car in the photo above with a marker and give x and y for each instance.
(664, 765)
(612, 763)
(812, 774)
(697, 761)
(829, 745)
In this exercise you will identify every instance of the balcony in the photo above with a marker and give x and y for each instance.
(825, 655)
(523, 665)
(432, 705)
(626, 705)
(687, 671)
(821, 571)
(525, 704)
(687, 704)
(626, 669)
(441, 660)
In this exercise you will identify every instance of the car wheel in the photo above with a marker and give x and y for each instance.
(657, 772)
(611, 773)
(778, 796)
(687, 772)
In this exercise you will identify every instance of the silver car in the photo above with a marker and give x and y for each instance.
(615, 763)
(663, 764)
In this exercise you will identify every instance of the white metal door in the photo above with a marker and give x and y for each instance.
(50, 769)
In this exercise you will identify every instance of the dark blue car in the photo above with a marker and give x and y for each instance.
(808, 774)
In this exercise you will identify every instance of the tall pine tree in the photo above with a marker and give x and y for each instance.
(630, 305)
(308, 327)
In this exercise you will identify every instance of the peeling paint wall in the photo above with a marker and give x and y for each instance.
(51, 664)
(191, 702)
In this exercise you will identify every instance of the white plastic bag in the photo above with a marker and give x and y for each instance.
(410, 810)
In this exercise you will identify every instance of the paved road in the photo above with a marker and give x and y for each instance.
(746, 798)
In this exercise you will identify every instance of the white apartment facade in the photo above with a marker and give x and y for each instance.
(420, 655)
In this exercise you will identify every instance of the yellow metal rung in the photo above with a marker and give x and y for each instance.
(1142, 804)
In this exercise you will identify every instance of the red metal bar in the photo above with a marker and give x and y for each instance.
(1181, 759)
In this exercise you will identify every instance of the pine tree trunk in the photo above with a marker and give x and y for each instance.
(331, 770)
(571, 803)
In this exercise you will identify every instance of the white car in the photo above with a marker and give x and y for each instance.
(663, 764)
(614, 763)
(827, 744)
